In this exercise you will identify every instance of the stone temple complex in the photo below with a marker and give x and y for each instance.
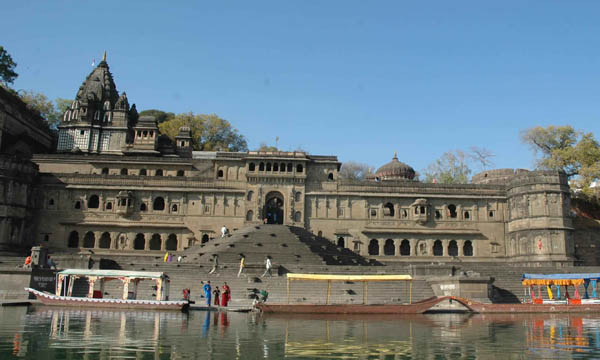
(114, 185)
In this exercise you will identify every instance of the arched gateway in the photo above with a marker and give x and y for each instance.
(273, 210)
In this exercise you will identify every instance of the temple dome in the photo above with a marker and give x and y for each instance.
(395, 170)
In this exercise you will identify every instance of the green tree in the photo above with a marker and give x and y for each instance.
(7, 66)
(265, 147)
(209, 132)
(352, 170)
(161, 116)
(51, 111)
(451, 168)
(577, 153)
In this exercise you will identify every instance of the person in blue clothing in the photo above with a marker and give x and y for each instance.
(207, 292)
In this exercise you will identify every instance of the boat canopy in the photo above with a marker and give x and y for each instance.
(326, 277)
(558, 279)
(112, 273)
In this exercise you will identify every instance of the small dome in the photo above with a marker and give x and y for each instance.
(395, 170)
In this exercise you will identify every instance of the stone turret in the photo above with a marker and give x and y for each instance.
(184, 142)
(145, 136)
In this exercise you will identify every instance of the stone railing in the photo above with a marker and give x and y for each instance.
(146, 181)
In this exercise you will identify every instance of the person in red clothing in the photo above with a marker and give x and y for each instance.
(225, 295)
(27, 262)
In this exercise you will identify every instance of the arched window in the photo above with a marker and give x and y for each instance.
(466, 215)
(405, 248)
(438, 214)
(155, 242)
(341, 242)
(158, 172)
(77, 204)
(220, 174)
(261, 166)
(172, 242)
(174, 208)
(251, 167)
(143, 207)
(159, 204)
(249, 215)
(374, 247)
(437, 248)
(180, 172)
(109, 205)
(89, 240)
(205, 238)
(275, 167)
(145, 133)
(51, 202)
(452, 248)
(105, 171)
(297, 216)
(249, 196)
(269, 166)
(105, 241)
(73, 241)
(143, 172)
(299, 168)
(388, 210)
(289, 167)
(389, 248)
(452, 211)
(320, 233)
(330, 177)
(124, 171)
(468, 248)
(93, 202)
(140, 242)
(298, 196)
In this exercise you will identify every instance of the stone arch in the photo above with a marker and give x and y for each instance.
(155, 242)
(273, 209)
(143, 172)
(452, 248)
(298, 196)
(109, 205)
(220, 174)
(249, 215)
(140, 242)
(73, 241)
(298, 216)
(205, 238)
(250, 195)
(374, 247)
(289, 167)
(158, 172)
(104, 241)
(251, 167)
(89, 240)
(276, 166)
(452, 211)
(105, 171)
(93, 202)
(282, 167)
(438, 249)
(468, 248)
(171, 242)
(341, 242)
(299, 168)
(159, 204)
(405, 248)
(389, 248)
(330, 177)
(388, 210)
(261, 166)
(124, 171)
(143, 207)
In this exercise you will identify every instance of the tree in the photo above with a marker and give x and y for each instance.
(160, 115)
(482, 156)
(352, 170)
(51, 111)
(563, 148)
(451, 168)
(265, 147)
(7, 65)
(209, 132)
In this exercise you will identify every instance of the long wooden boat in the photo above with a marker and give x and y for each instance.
(65, 281)
(546, 307)
(51, 299)
(414, 308)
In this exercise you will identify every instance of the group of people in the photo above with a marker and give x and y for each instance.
(268, 266)
(49, 263)
(221, 296)
(169, 257)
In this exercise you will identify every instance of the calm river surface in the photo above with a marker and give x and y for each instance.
(61, 333)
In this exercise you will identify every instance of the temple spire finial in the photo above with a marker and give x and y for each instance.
(104, 56)
(395, 155)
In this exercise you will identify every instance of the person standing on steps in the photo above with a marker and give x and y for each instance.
(268, 267)
(242, 264)
(226, 296)
(215, 264)
(207, 292)
(217, 294)
(223, 231)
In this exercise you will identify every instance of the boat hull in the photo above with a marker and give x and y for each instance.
(416, 308)
(478, 307)
(54, 300)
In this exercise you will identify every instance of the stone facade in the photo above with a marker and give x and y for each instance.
(131, 196)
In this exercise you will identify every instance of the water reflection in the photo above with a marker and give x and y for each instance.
(60, 333)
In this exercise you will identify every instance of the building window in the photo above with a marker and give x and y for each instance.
(268, 166)
(174, 208)
(289, 167)
(388, 210)
(468, 248)
(140, 242)
(143, 207)
(105, 171)
(298, 196)
(220, 174)
(155, 242)
(405, 248)
(143, 172)
(330, 177)
(341, 243)
(357, 246)
(249, 196)
(373, 213)
(452, 211)
(249, 215)
(93, 202)
(299, 168)
(73, 241)
(374, 247)
(404, 214)
(389, 248)
(77, 204)
(491, 214)
(467, 215)
(251, 167)
(109, 206)
(438, 250)
(180, 173)
(171, 242)
(124, 171)
(158, 172)
(159, 204)
(89, 240)
(105, 241)
(51, 202)
(282, 167)
(438, 215)
(275, 167)
(298, 216)
(261, 166)
(452, 248)
(205, 238)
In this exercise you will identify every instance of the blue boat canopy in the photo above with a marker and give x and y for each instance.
(590, 276)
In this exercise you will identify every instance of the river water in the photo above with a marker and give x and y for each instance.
(60, 333)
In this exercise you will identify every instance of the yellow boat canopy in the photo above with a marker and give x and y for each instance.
(558, 279)
(327, 277)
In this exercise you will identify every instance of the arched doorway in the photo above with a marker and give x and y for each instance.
(374, 247)
(341, 242)
(274, 208)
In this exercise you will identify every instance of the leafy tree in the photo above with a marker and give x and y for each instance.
(7, 66)
(451, 168)
(352, 170)
(563, 148)
(265, 147)
(51, 111)
(160, 115)
(209, 132)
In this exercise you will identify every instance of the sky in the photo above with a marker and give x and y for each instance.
(356, 79)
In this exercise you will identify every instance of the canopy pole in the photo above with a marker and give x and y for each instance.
(328, 291)
(366, 293)
(288, 290)
(410, 293)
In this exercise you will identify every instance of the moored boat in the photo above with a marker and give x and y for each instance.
(65, 281)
